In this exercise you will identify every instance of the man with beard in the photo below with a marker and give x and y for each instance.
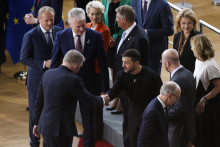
(141, 85)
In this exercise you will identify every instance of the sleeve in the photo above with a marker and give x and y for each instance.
(212, 72)
(166, 21)
(56, 53)
(117, 87)
(177, 110)
(81, 93)
(148, 126)
(106, 37)
(39, 104)
(27, 53)
(57, 5)
(101, 56)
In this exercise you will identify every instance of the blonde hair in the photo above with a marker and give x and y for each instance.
(97, 5)
(202, 47)
(185, 13)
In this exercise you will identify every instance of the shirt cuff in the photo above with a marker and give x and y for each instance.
(103, 99)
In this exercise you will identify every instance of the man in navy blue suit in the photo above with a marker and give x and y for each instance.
(57, 5)
(56, 101)
(156, 18)
(91, 45)
(153, 131)
(36, 54)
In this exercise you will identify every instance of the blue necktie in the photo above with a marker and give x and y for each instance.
(49, 40)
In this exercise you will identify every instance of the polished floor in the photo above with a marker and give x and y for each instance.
(13, 92)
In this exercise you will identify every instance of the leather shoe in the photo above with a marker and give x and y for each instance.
(116, 112)
(110, 108)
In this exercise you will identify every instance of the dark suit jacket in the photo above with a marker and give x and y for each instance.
(34, 51)
(55, 105)
(93, 48)
(57, 5)
(136, 39)
(159, 25)
(187, 59)
(181, 115)
(153, 132)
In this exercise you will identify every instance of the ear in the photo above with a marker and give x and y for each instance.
(167, 63)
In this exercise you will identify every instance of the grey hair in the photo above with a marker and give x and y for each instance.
(169, 87)
(127, 12)
(77, 13)
(74, 57)
(44, 9)
(95, 4)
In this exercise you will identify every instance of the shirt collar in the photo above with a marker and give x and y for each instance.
(74, 34)
(130, 29)
(163, 105)
(44, 31)
(173, 72)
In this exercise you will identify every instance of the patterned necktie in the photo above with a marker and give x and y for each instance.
(49, 40)
(79, 44)
(144, 10)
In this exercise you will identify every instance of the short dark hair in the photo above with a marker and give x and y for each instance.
(133, 54)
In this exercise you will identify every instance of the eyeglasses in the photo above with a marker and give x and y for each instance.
(175, 96)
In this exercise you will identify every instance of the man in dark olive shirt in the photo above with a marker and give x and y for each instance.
(141, 85)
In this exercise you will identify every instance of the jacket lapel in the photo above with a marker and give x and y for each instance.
(127, 39)
(151, 8)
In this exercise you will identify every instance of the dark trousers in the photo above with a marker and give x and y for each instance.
(88, 121)
(58, 141)
(34, 141)
(125, 112)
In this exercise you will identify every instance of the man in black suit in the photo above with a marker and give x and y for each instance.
(57, 5)
(156, 18)
(90, 43)
(56, 101)
(35, 53)
(141, 85)
(153, 132)
(181, 126)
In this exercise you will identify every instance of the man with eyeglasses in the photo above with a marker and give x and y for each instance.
(181, 125)
(90, 43)
(153, 132)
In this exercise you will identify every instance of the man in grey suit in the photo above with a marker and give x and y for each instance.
(181, 124)
(36, 54)
(56, 101)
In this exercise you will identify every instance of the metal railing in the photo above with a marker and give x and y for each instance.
(201, 22)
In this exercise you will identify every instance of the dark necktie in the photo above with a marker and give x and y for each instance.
(37, 1)
(49, 40)
(144, 10)
(79, 44)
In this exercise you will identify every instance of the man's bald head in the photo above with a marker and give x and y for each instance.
(171, 55)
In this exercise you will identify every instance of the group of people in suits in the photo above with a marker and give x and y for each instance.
(133, 50)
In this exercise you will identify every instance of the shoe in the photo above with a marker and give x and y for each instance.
(110, 108)
(80, 135)
(116, 112)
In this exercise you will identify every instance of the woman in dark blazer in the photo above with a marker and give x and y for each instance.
(186, 29)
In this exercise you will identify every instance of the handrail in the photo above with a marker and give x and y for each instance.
(201, 22)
